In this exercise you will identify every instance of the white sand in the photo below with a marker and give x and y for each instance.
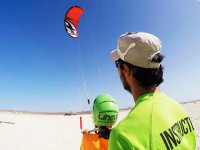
(22, 131)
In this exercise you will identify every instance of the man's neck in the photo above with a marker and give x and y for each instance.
(139, 91)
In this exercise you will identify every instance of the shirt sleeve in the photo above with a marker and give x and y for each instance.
(119, 141)
(113, 143)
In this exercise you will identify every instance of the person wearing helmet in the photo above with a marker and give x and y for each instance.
(105, 112)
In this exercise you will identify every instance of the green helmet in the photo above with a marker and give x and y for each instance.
(105, 110)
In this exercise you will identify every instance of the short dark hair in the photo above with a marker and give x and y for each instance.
(147, 77)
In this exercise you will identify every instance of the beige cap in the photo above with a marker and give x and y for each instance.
(137, 48)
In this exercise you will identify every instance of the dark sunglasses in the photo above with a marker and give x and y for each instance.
(118, 62)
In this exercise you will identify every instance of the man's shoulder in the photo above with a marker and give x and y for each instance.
(130, 122)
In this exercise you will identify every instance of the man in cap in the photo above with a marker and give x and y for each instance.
(156, 121)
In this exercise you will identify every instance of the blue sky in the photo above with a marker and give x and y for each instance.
(43, 69)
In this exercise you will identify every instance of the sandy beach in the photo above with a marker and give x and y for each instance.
(37, 131)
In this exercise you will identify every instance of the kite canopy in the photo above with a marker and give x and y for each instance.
(71, 20)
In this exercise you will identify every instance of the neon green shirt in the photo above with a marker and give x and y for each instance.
(155, 123)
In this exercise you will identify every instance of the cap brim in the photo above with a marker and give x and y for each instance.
(114, 56)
